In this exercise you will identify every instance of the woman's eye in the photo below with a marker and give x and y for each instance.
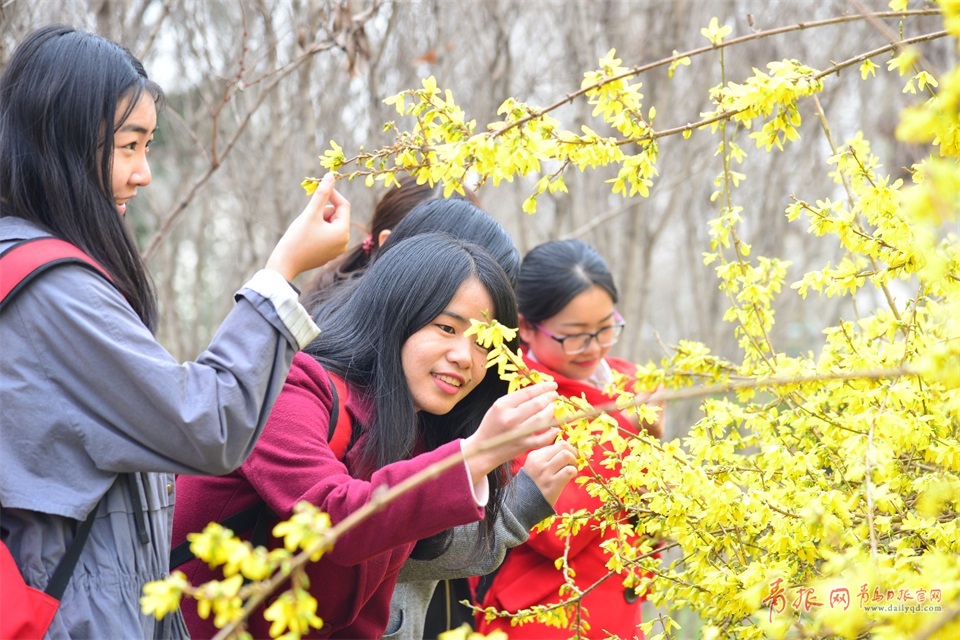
(447, 329)
(482, 348)
(132, 146)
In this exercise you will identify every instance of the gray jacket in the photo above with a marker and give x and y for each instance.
(524, 506)
(94, 407)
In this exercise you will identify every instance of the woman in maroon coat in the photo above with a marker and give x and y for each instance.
(568, 323)
(418, 391)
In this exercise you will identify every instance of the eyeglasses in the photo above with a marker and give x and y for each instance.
(580, 342)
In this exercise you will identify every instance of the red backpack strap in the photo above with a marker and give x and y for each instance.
(25, 260)
(343, 427)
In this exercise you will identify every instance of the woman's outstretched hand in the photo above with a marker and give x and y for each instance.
(319, 234)
(551, 468)
(527, 413)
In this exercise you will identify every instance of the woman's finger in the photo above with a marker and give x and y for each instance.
(564, 456)
(337, 206)
(321, 196)
(541, 438)
(526, 394)
(556, 456)
(336, 199)
(535, 416)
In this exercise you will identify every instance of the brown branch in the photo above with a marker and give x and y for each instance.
(890, 35)
(860, 229)
(147, 45)
(378, 501)
(586, 590)
(633, 71)
(774, 381)
(826, 72)
(598, 220)
(726, 115)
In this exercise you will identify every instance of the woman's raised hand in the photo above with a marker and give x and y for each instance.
(319, 234)
(551, 468)
(526, 414)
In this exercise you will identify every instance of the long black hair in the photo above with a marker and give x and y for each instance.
(463, 220)
(60, 101)
(554, 273)
(363, 334)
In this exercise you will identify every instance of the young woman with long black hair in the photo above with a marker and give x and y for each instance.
(97, 417)
(419, 608)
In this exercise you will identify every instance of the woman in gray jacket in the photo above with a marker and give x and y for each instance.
(530, 497)
(97, 416)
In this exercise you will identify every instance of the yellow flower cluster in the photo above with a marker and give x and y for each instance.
(819, 493)
(250, 576)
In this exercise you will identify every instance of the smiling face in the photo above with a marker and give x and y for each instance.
(131, 143)
(440, 363)
(588, 312)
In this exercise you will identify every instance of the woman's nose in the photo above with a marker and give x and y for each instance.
(593, 345)
(141, 175)
(461, 353)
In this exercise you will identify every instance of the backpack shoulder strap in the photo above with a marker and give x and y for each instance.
(26, 260)
(64, 571)
(339, 439)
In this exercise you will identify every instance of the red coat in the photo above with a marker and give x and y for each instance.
(528, 575)
(292, 461)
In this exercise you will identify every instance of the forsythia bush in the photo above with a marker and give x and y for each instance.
(818, 495)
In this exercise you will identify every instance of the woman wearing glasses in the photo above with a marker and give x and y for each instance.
(568, 323)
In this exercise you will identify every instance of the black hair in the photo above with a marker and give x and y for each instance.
(463, 220)
(457, 217)
(364, 332)
(554, 273)
(60, 101)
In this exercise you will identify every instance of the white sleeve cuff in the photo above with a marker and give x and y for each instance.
(274, 287)
(480, 489)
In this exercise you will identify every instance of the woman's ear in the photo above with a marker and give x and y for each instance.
(383, 237)
(527, 330)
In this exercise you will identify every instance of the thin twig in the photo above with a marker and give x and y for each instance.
(826, 72)
(219, 153)
(892, 37)
(378, 501)
(949, 616)
(775, 381)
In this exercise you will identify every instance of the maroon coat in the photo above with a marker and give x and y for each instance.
(528, 575)
(292, 461)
